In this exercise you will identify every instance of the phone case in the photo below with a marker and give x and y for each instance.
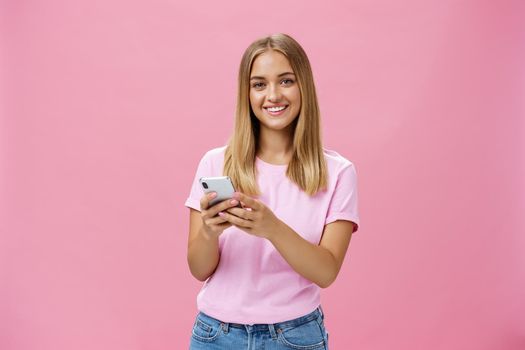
(220, 184)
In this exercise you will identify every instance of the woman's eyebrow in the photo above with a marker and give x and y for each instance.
(280, 75)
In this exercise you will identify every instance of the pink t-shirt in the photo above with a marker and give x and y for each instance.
(253, 283)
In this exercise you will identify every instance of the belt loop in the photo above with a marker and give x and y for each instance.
(225, 326)
(321, 312)
(272, 331)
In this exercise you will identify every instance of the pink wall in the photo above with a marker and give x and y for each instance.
(107, 107)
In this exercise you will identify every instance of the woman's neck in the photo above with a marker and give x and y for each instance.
(275, 146)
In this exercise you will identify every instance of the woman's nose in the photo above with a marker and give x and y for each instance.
(274, 93)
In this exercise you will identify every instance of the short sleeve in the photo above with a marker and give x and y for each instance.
(343, 204)
(196, 193)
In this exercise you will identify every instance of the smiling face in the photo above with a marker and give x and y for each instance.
(275, 97)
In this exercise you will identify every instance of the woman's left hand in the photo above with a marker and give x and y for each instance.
(259, 220)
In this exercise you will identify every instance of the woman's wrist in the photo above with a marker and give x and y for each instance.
(275, 233)
(209, 236)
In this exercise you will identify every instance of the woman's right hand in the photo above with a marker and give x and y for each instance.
(212, 224)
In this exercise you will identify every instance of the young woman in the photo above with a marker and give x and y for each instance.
(265, 263)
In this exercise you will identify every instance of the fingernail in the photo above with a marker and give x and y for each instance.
(221, 213)
(233, 202)
(213, 194)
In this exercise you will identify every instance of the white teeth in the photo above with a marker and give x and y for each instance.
(276, 109)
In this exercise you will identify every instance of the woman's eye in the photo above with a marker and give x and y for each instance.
(258, 85)
(288, 81)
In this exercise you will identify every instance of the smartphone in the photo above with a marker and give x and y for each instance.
(220, 184)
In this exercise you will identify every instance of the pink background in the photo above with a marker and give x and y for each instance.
(107, 106)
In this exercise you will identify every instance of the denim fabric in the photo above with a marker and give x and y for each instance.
(303, 333)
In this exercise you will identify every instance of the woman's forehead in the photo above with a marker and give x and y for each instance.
(271, 63)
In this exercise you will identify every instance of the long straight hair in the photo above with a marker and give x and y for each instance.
(307, 167)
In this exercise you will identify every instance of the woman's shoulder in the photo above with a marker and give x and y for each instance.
(212, 160)
(216, 152)
(335, 160)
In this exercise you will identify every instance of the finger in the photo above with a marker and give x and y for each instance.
(241, 213)
(221, 227)
(216, 220)
(236, 220)
(205, 200)
(228, 203)
(243, 205)
(247, 200)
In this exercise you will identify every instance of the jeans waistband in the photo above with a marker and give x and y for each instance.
(314, 315)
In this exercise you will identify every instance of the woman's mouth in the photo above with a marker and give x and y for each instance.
(275, 111)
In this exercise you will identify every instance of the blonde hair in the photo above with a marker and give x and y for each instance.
(307, 167)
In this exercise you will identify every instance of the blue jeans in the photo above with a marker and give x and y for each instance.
(304, 333)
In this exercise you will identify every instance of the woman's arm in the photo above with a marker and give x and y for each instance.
(203, 249)
(318, 263)
(203, 242)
